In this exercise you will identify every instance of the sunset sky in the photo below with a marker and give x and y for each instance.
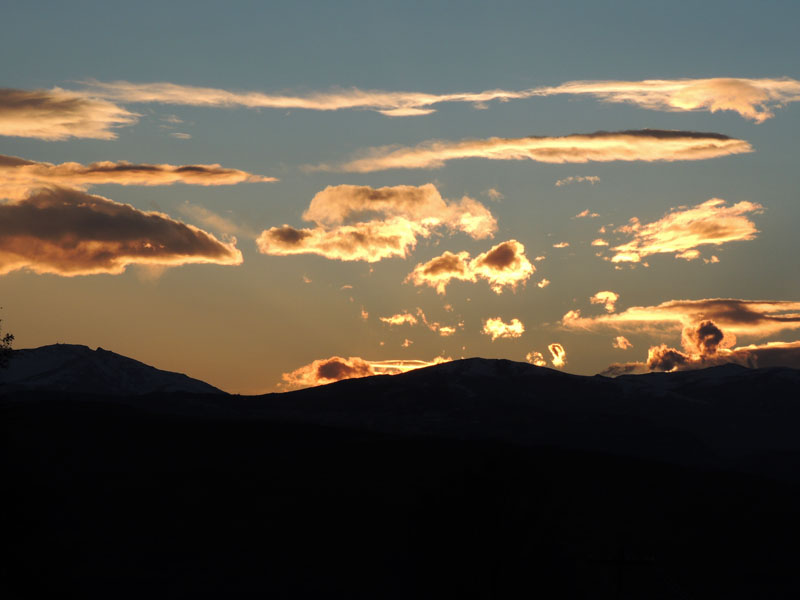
(244, 191)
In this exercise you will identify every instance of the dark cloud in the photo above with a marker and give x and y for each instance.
(69, 232)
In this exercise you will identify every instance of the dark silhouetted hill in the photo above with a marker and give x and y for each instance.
(75, 368)
(471, 479)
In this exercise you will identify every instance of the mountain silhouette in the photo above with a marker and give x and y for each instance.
(76, 368)
(471, 479)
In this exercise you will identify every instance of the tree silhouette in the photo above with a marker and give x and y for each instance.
(5, 346)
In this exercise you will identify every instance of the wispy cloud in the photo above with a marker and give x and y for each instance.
(497, 328)
(681, 231)
(753, 99)
(68, 232)
(59, 115)
(337, 368)
(391, 104)
(504, 265)
(593, 179)
(638, 145)
(621, 342)
(369, 224)
(18, 176)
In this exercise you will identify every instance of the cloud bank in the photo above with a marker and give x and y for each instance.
(369, 224)
(68, 232)
(647, 145)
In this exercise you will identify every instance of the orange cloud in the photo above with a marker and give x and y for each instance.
(641, 145)
(682, 230)
(751, 98)
(496, 328)
(586, 213)
(397, 217)
(336, 368)
(559, 355)
(68, 232)
(18, 176)
(543, 283)
(606, 298)
(738, 317)
(504, 265)
(58, 115)
(536, 358)
(621, 342)
(400, 319)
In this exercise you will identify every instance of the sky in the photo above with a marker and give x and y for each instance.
(268, 196)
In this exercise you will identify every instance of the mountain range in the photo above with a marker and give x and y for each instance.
(471, 479)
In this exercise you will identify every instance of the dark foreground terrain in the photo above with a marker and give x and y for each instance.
(473, 479)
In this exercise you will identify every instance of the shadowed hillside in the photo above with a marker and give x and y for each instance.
(472, 479)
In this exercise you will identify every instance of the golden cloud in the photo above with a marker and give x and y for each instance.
(739, 317)
(336, 368)
(59, 114)
(680, 232)
(621, 342)
(639, 145)
(68, 232)
(606, 298)
(559, 355)
(400, 319)
(536, 358)
(497, 328)
(504, 265)
(18, 176)
(751, 98)
(399, 216)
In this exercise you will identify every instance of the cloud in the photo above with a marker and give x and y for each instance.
(737, 317)
(496, 328)
(68, 232)
(348, 204)
(391, 104)
(494, 194)
(680, 231)
(336, 368)
(395, 218)
(211, 220)
(638, 145)
(504, 265)
(543, 283)
(586, 213)
(593, 179)
(559, 355)
(706, 345)
(400, 319)
(59, 114)
(18, 176)
(561, 245)
(599, 242)
(536, 358)
(606, 298)
(621, 342)
(752, 98)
